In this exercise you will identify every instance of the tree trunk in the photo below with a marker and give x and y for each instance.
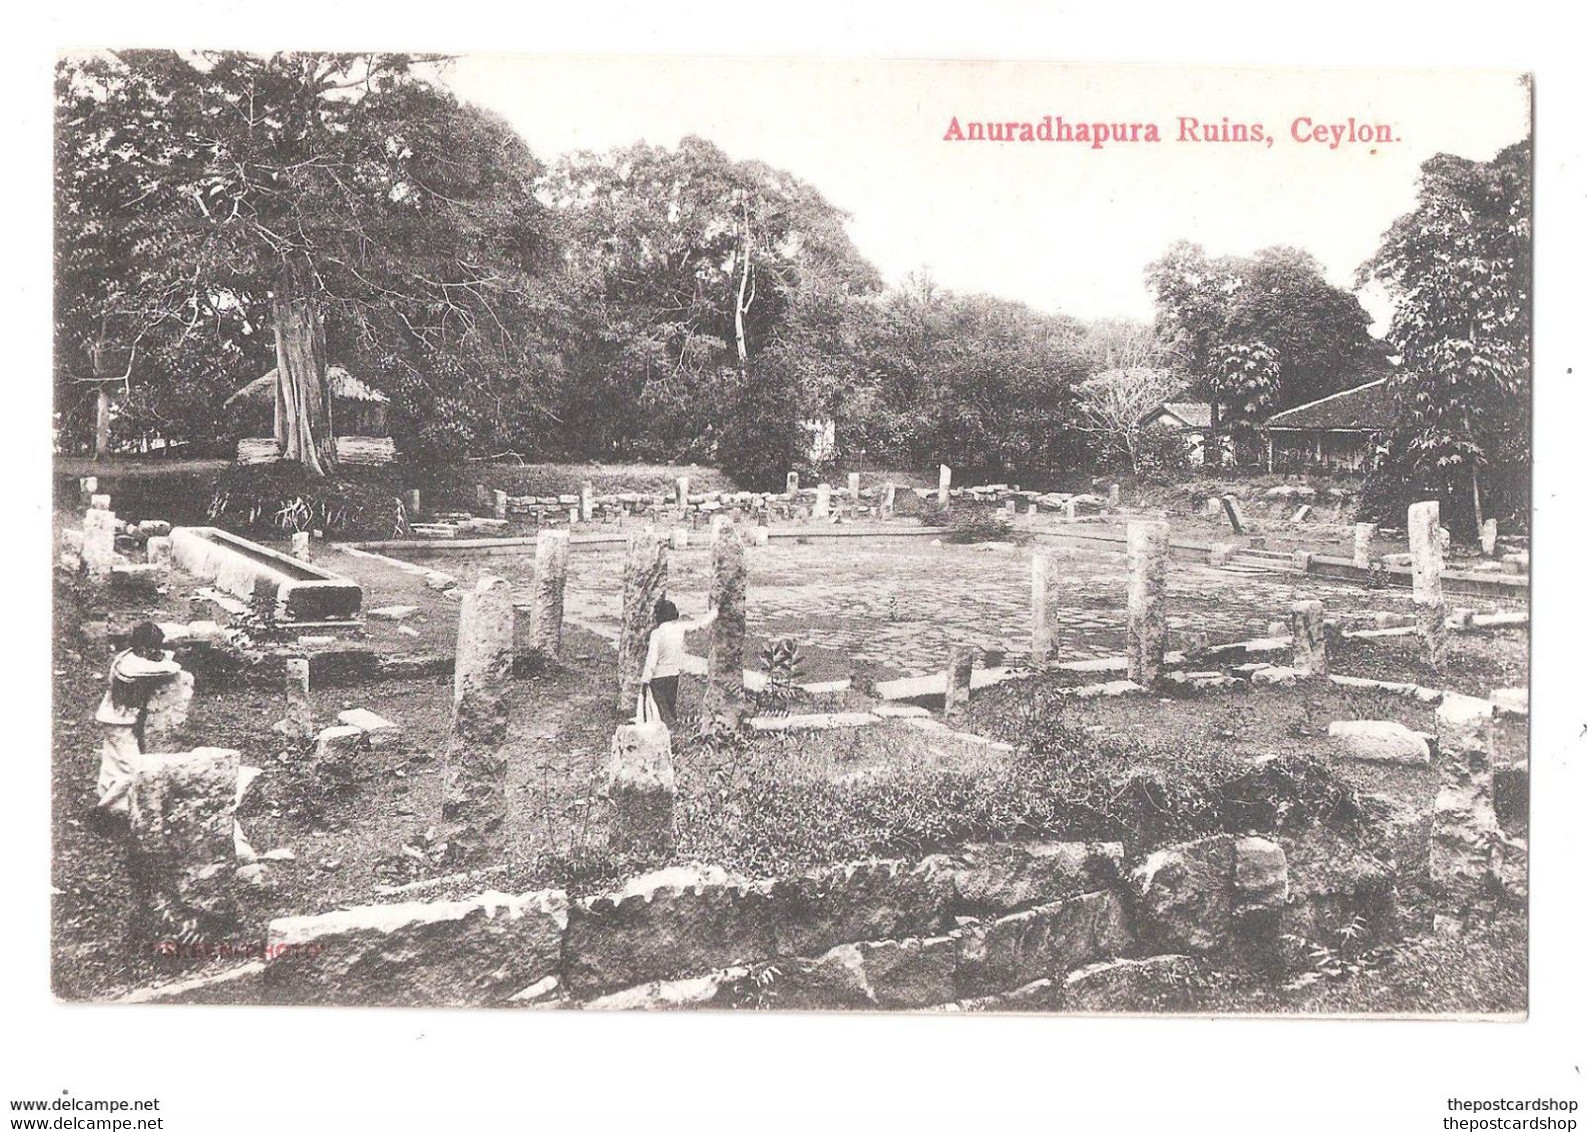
(303, 401)
(739, 305)
(102, 424)
(1476, 503)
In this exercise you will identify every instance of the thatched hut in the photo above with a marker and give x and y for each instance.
(358, 418)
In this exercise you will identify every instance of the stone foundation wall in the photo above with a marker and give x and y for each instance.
(979, 928)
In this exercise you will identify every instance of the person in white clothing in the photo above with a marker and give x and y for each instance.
(134, 676)
(664, 660)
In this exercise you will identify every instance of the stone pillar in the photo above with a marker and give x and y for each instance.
(1146, 559)
(1490, 537)
(157, 551)
(481, 496)
(1070, 508)
(167, 708)
(1427, 570)
(181, 823)
(724, 696)
(683, 491)
(854, 489)
(87, 487)
(1044, 605)
(97, 502)
(99, 543)
(474, 805)
(823, 502)
(641, 788)
(299, 720)
(644, 584)
(793, 485)
(1365, 533)
(413, 501)
(1306, 623)
(762, 536)
(889, 496)
(586, 501)
(1113, 495)
(961, 663)
(1465, 839)
(944, 480)
(300, 545)
(498, 504)
(551, 579)
(680, 538)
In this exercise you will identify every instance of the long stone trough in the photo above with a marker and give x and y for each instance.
(305, 592)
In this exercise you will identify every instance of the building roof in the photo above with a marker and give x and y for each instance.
(1366, 408)
(342, 384)
(1194, 414)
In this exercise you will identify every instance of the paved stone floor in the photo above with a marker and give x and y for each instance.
(893, 606)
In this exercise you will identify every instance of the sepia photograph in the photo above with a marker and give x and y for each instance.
(915, 536)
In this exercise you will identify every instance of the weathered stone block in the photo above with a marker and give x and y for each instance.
(961, 666)
(447, 953)
(1146, 560)
(866, 900)
(1185, 894)
(1334, 884)
(644, 584)
(1310, 637)
(379, 732)
(181, 823)
(1261, 873)
(1123, 985)
(1048, 940)
(339, 747)
(550, 586)
(168, 707)
(641, 788)
(1004, 877)
(1378, 740)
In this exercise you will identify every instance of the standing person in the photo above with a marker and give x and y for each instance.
(664, 660)
(134, 676)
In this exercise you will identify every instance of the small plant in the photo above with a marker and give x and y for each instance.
(783, 665)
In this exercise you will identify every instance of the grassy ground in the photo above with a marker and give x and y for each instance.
(1474, 663)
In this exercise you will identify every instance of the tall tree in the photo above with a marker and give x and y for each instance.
(1459, 270)
(227, 195)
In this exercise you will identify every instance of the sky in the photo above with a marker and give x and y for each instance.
(1062, 226)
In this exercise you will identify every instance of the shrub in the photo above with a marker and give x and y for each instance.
(282, 497)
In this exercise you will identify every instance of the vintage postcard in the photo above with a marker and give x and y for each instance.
(570, 533)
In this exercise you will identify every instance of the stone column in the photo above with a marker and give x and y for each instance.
(98, 502)
(1044, 606)
(1070, 508)
(823, 502)
(644, 584)
(413, 501)
(181, 822)
(1427, 570)
(474, 805)
(1146, 559)
(1490, 537)
(551, 579)
(99, 543)
(300, 545)
(889, 495)
(87, 487)
(793, 485)
(299, 720)
(854, 489)
(641, 788)
(1306, 624)
(1465, 834)
(1113, 495)
(157, 551)
(498, 504)
(944, 480)
(724, 696)
(961, 663)
(586, 501)
(1365, 533)
(683, 491)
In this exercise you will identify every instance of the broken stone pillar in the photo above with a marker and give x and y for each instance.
(823, 507)
(300, 545)
(1365, 533)
(299, 720)
(474, 805)
(683, 491)
(641, 788)
(99, 543)
(1071, 508)
(889, 495)
(87, 487)
(157, 551)
(167, 708)
(1490, 537)
(481, 496)
(1231, 508)
(854, 489)
(181, 822)
(1427, 570)
(1466, 841)
(644, 584)
(413, 500)
(961, 663)
(762, 536)
(586, 501)
(97, 502)
(498, 506)
(551, 579)
(1113, 495)
(793, 485)
(1044, 607)
(680, 538)
(1311, 639)
(1146, 560)
(724, 695)
(944, 481)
